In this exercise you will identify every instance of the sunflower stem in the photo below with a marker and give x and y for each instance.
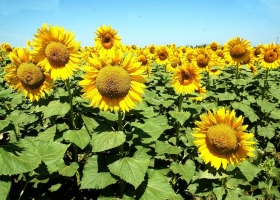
(75, 148)
(27, 182)
(237, 72)
(265, 84)
(120, 128)
(178, 124)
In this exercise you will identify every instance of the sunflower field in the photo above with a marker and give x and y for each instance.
(115, 121)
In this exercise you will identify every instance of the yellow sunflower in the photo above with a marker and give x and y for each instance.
(237, 50)
(162, 54)
(203, 59)
(56, 51)
(214, 46)
(113, 82)
(25, 75)
(107, 38)
(270, 56)
(6, 47)
(201, 91)
(221, 139)
(174, 62)
(143, 57)
(186, 79)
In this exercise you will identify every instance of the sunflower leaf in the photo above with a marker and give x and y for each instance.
(131, 170)
(186, 171)
(181, 117)
(90, 123)
(267, 131)
(68, 170)
(5, 185)
(55, 108)
(157, 187)
(266, 106)
(19, 157)
(164, 147)
(92, 178)
(80, 138)
(249, 170)
(107, 140)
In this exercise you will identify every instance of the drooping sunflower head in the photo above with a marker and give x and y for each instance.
(221, 139)
(113, 81)
(186, 79)
(25, 75)
(174, 62)
(107, 38)
(143, 57)
(269, 58)
(202, 58)
(237, 50)
(257, 50)
(6, 47)
(162, 54)
(56, 51)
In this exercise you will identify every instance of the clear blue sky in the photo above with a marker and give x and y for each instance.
(145, 22)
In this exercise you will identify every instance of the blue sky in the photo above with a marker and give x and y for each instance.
(145, 22)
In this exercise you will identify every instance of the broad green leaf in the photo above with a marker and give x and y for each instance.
(107, 140)
(5, 185)
(265, 105)
(176, 197)
(149, 112)
(3, 124)
(212, 175)
(249, 170)
(92, 178)
(55, 187)
(20, 118)
(90, 123)
(80, 138)
(68, 170)
(267, 131)
(219, 192)
(51, 153)
(180, 116)
(247, 198)
(275, 114)
(246, 109)
(19, 157)
(131, 170)
(17, 99)
(233, 193)
(186, 171)
(48, 134)
(164, 147)
(108, 115)
(226, 96)
(158, 187)
(55, 108)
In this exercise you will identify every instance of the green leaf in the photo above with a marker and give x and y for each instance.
(20, 118)
(51, 153)
(3, 124)
(176, 197)
(92, 179)
(158, 187)
(233, 193)
(108, 115)
(68, 170)
(267, 131)
(132, 170)
(90, 123)
(55, 108)
(249, 170)
(275, 114)
(164, 147)
(186, 171)
(55, 187)
(219, 192)
(5, 185)
(180, 116)
(19, 157)
(246, 109)
(265, 105)
(80, 138)
(48, 134)
(107, 140)
(226, 96)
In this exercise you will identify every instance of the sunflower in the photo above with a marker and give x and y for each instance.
(186, 79)
(6, 47)
(201, 91)
(221, 139)
(203, 59)
(162, 54)
(25, 75)
(214, 46)
(143, 57)
(56, 51)
(113, 82)
(237, 50)
(174, 62)
(107, 38)
(270, 56)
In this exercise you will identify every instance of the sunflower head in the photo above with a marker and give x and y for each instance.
(237, 50)
(162, 54)
(112, 81)
(6, 47)
(56, 51)
(269, 58)
(221, 139)
(26, 75)
(107, 38)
